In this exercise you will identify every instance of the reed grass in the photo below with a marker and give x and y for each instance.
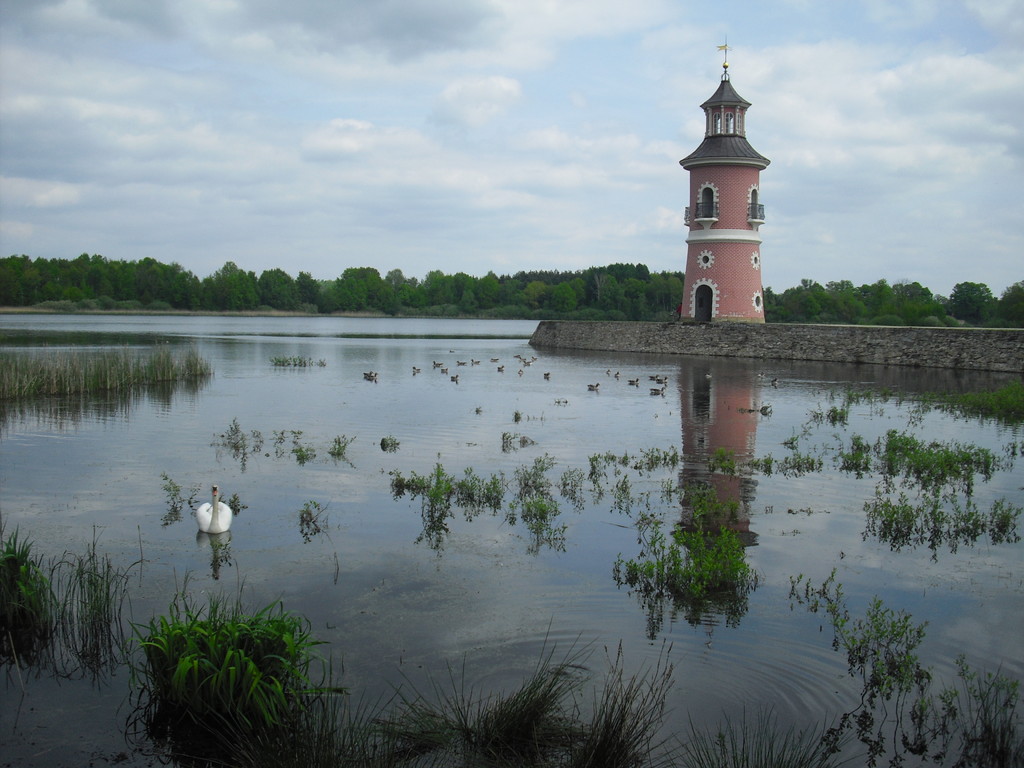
(757, 743)
(93, 592)
(517, 728)
(330, 731)
(626, 718)
(61, 373)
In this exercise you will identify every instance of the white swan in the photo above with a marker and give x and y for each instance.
(214, 517)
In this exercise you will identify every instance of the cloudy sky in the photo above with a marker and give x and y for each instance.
(477, 135)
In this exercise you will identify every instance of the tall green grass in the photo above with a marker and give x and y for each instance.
(92, 594)
(27, 603)
(78, 372)
(225, 669)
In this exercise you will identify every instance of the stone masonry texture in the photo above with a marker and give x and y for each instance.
(979, 349)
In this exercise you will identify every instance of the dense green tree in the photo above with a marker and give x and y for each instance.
(439, 288)
(971, 302)
(488, 291)
(536, 294)
(563, 298)
(277, 289)
(1010, 309)
(307, 288)
(230, 289)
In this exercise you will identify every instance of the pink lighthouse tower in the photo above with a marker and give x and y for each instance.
(723, 256)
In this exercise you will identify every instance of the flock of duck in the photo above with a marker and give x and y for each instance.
(526, 362)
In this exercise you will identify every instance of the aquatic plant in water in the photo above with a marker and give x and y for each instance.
(92, 592)
(111, 370)
(222, 668)
(937, 522)
(757, 742)
(27, 602)
(296, 362)
(340, 445)
(698, 570)
(240, 444)
(312, 520)
(897, 711)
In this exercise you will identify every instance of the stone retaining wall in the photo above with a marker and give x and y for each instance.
(965, 348)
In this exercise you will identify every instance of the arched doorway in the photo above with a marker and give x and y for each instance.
(702, 300)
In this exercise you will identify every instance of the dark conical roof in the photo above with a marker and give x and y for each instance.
(732, 149)
(725, 95)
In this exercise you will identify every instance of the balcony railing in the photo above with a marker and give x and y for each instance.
(706, 211)
(756, 212)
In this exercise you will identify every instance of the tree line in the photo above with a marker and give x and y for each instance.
(613, 292)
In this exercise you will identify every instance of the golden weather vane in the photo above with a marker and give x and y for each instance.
(725, 54)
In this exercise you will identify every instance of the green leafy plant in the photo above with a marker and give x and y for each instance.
(699, 569)
(224, 669)
(312, 520)
(340, 445)
(27, 602)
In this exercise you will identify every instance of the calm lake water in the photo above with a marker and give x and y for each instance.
(394, 604)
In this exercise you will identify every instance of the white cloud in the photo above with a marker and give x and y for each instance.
(475, 101)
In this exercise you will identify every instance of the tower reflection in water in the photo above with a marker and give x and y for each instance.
(719, 424)
(720, 414)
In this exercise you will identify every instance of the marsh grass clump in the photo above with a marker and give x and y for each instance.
(794, 464)
(626, 715)
(222, 669)
(389, 444)
(328, 732)
(516, 728)
(532, 480)
(92, 593)
(475, 494)
(762, 743)
(835, 415)
(723, 460)
(28, 606)
(74, 373)
(513, 441)
(570, 485)
(540, 723)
